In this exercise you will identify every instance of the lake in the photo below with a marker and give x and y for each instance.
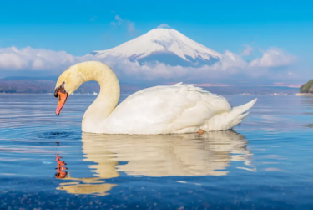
(46, 162)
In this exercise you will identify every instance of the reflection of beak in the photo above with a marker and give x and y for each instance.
(62, 97)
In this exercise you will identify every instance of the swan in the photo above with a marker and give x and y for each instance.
(163, 109)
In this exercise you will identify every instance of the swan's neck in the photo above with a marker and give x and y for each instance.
(107, 98)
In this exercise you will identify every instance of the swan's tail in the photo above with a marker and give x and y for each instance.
(228, 120)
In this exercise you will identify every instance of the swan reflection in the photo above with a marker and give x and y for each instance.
(161, 155)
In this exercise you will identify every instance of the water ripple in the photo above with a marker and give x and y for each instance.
(266, 160)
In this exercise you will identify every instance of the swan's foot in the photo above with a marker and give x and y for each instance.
(200, 132)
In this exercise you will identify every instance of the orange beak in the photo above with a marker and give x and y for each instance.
(62, 97)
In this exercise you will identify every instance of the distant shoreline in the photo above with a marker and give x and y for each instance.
(132, 93)
(52, 94)
(304, 94)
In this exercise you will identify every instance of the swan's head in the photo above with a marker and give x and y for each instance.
(67, 83)
(62, 96)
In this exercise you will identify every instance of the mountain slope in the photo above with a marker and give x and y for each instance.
(307, 88)
(164, 46)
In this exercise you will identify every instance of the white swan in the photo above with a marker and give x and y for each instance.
(164, 109)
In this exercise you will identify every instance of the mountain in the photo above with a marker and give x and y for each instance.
(307, 88)
(162, 45)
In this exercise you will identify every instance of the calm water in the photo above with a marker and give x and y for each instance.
(47, 162)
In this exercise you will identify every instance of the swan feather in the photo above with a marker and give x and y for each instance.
(166, 109)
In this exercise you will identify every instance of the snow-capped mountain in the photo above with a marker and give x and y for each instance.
(164, 46)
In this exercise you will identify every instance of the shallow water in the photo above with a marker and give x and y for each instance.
(47, 162)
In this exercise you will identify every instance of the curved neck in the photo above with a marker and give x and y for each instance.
(108, 96)
(109, 93)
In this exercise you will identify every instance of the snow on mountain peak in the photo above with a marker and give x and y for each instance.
(159, 41)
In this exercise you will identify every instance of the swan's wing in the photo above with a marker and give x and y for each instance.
(172, 107)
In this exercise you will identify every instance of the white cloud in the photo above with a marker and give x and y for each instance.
(163, 26)
(273, 57)
(131, 28)
(119, 20)
(130, 25)
(33, 59)
(231, 64)
(230, 61)
(248, 50)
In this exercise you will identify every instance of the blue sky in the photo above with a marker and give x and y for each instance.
(78, 27)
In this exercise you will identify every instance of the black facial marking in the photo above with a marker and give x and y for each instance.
(59, 88)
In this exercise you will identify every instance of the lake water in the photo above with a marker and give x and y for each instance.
(46, 162)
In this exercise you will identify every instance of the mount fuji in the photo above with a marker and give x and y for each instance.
(162, 45)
